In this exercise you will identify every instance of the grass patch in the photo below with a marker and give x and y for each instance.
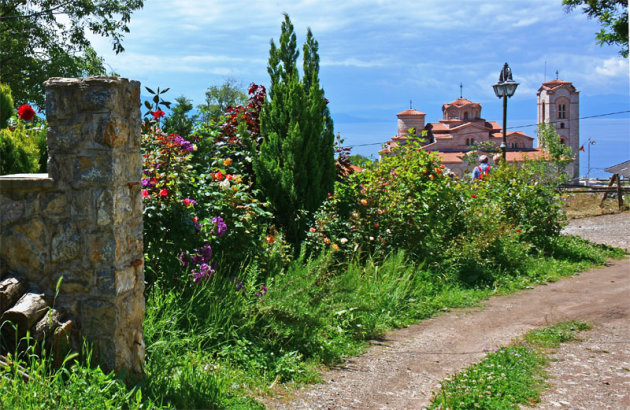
(511, 376)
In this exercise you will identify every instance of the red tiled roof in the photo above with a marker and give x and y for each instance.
(410, 112)
(518, 133)
(552, 85)
(460, 102)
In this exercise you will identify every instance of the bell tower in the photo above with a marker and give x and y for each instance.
(559, 105)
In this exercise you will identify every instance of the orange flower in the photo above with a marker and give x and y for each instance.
(430, 176)
(270, 239)
(227, 162)
(334, 247)
(379, 211)
(313, 230)
(326, 241)
(363, 202)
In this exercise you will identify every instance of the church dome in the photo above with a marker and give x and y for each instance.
(461, 109)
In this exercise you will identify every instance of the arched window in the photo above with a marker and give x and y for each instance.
(561, 125)
(562, 111)
(543, 112)
(466, 115)
(467, 142)
(563, 141)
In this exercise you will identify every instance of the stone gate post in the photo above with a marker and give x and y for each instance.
(95, 161)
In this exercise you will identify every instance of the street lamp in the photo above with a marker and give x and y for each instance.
(503, 89)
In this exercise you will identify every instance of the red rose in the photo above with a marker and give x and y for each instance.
(26, 112)
(163, 192)
(158, 114)
(145, 193)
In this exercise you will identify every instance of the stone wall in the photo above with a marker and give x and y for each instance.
(83, 221)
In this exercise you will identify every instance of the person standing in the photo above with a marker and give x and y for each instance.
(482, 170)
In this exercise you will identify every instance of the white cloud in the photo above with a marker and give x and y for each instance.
(613, 67)
(353, 62)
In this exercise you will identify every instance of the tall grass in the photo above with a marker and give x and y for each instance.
(220, 344)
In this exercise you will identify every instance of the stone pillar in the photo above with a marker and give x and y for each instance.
(94, 157)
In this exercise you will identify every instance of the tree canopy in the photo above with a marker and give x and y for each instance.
(219, 99)
(613, 16)
(40, 39)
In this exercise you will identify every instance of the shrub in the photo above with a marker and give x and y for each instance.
(406, 202)
(526, 197)
(18, 151)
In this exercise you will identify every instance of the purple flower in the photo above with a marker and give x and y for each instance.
(221, 226)
(204, 271)
(239, 285)
(146, 182)
(187, 146)
(263, 291)
(184, 258)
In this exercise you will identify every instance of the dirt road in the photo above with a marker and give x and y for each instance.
(402, 370)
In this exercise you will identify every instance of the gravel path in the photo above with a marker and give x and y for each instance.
(402, 370)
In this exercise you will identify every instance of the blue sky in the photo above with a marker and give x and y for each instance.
(377, 55)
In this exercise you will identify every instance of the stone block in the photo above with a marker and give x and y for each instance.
(75, 281)
(10, 211)
(125, 280)
(66, 244)
(25, 247)
(55, 203)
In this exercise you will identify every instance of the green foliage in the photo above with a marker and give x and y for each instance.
(613, 17)
(526, 198)
(509, 377)
(179, 121)
(6, 105)
(296, 168)
(560, 155)
(219, 99)
(50, 39)
(361, 161)
(19, 152)
(406, 202)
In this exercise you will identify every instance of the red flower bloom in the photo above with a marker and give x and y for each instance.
(186, 202)
(195, 219)
(474, 196)
(158, 114)
(145, 193)
(218, 176)
(26, 112)
(163, 192)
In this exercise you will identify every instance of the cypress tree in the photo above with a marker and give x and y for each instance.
(295, 168)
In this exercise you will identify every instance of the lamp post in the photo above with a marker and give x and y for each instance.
(503, 89)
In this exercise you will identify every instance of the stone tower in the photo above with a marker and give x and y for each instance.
(559, 104)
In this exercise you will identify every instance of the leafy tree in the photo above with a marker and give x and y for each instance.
(36, 44)
(613, 16)
(219, 99)
(296, 166)
(361, 160)
(180, 121)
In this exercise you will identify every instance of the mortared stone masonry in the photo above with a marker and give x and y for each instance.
(83, 220)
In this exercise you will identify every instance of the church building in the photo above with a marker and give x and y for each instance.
(462, 126)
